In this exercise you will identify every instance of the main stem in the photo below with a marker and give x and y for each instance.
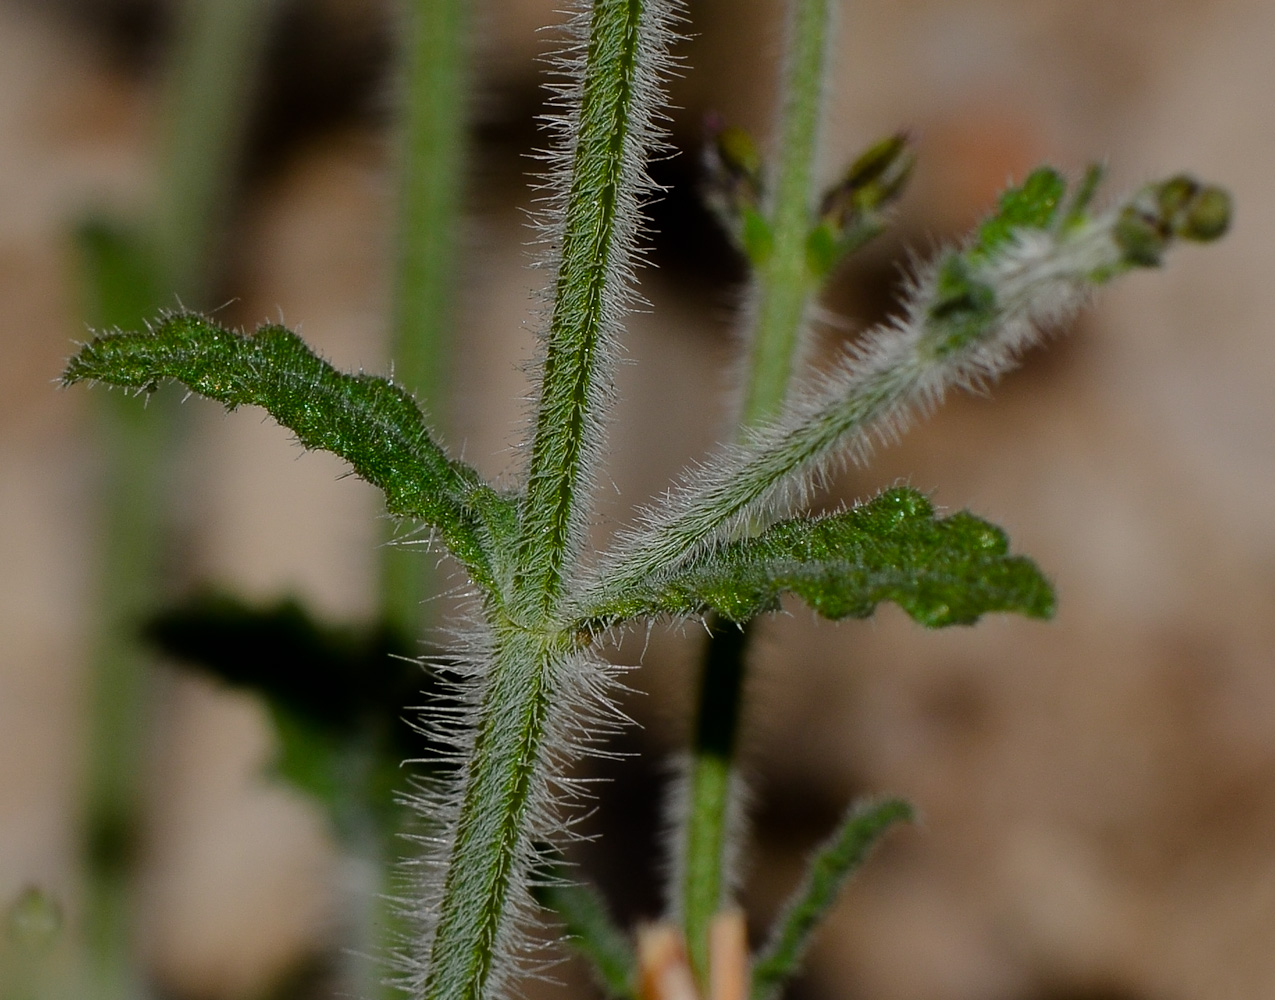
(491, 840)
(504, 782)
(585, 298)
(431, 171)
(783, 288)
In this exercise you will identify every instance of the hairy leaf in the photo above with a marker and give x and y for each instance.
(370, 422)
(941, 571)
(826, 875)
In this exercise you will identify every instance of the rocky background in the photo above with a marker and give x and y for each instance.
(1098, 793)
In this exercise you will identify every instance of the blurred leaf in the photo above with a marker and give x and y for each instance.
(337, 694)
(590, 931)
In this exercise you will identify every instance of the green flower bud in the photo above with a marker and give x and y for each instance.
(1207, 216)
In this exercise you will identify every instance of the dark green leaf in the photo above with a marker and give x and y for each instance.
(337, 695)
(336, 677)
(368, 421)
(941, 571)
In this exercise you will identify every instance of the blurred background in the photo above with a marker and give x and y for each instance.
(1097, 793)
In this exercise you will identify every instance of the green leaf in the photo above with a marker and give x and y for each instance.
(826, 875)
(941, 571)
(370, 422)
(1031, 205)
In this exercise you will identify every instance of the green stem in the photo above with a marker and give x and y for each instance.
(491, 833)
(600, 213)
(783, 287)
(609, 130)
(216, 60)
(129, 578)
(784, 283)
(219, 47)
(706, 834)
(432, 157)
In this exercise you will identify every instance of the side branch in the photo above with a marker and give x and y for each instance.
(1030, 267)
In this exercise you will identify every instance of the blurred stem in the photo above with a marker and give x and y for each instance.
(218, 49)
(783, 286)
(783, 283)
(431, 186)
(128, 278)
(134, 442)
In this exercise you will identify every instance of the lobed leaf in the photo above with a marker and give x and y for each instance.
(941, 571)
(370, 422)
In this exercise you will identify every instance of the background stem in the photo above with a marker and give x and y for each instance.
(783, 284)
(716, 729)
(783, 287)
(431, 171)
(215, 61)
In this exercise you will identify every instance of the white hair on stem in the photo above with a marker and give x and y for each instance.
(536, 697)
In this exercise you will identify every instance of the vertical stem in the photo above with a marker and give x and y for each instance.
(220, 44)
(491, 834)
(783, 286)
(784, 283)
(431, 165)
(217, 56)
(601, 205)
(606, 133)
(716, 728)
(129, 578)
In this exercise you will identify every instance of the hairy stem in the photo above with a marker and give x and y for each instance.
(607, 128)
(492, 839)
(431, 172)
(588, 291)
